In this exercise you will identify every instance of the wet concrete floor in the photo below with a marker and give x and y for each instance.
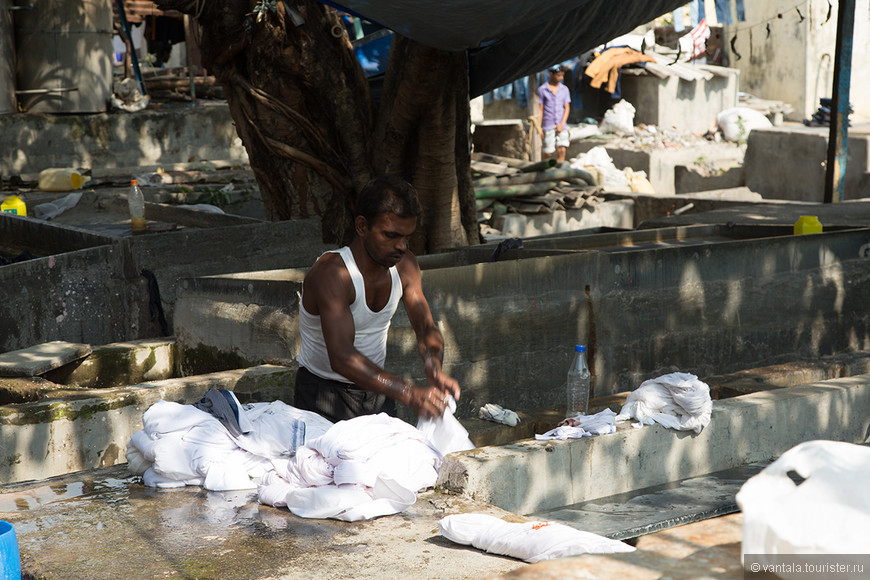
(104, 523)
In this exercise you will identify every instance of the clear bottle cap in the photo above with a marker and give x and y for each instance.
(580, 348)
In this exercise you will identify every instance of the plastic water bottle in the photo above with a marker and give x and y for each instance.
(136, 201)
(578, 383)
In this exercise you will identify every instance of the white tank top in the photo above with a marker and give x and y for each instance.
(371, 327)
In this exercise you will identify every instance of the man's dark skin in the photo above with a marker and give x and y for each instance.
(328, 292)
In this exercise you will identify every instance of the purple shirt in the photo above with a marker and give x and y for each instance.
(554, 105)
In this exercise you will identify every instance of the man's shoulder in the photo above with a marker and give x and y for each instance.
(328, 266)
(408, 268)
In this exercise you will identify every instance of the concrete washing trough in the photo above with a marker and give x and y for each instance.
(710, 300)
(702, 299)
(758, 414)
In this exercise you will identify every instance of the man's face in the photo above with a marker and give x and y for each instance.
(386, 237)
(556, 77)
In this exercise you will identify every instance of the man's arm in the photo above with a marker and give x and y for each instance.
(430, 341)
(565, 114)
(330, 289)
(541, 118)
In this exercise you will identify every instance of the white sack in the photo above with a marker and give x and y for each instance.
(737, 122)
(619, 119)
(530, 541)
(827, 513)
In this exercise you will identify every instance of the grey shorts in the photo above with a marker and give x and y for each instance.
(335, 400)
(552, 140)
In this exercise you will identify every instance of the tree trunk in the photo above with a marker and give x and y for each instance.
(303, 109)
(419, 136)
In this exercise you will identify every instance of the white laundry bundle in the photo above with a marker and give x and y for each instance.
(446, 433)
(530, 541)
(182, 445)
(362, 468)
(600, 423)
(498, 414)
(676, 400)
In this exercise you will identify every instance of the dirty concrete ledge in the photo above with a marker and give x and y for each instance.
(531, 476)
(86, 428)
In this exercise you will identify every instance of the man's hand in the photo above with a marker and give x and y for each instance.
(427, 402)
(436, 378)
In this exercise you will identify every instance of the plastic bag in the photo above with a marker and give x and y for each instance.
(619, 119)
(826, 513)
(52, 209)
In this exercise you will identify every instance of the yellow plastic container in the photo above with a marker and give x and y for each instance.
(14, 204)
(57, 179)
(807, 224)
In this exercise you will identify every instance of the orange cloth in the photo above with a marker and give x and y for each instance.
(607, 64)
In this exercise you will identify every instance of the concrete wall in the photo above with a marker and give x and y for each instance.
(660, 164)
(676, 103)
(789, 163)
(34, 142)
(705, 300)
(97, 295)
(795, 63)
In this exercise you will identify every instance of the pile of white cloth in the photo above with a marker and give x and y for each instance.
(362, 468)
(583, 426)
(530, 541)
(676, 400)
(181, 445)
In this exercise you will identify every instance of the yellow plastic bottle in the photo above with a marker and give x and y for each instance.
(807, 224)
(14, 204)
(57, 179)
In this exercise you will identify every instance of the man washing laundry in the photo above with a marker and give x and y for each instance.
(349, 297)
(554, 105)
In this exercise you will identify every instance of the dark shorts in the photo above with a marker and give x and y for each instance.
(337, 401)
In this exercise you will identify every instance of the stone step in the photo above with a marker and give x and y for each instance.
(41, 358)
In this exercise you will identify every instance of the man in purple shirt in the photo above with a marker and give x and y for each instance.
(554, 104)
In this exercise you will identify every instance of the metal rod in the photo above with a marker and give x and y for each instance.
(43, 91)
(838, 138)
(188, 46)
(122, 15)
